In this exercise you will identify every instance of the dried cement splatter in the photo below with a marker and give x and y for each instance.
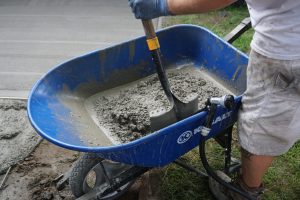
(125, 113)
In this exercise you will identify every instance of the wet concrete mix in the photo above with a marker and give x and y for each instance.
(125, 112)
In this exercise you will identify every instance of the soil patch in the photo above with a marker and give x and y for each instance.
(34, 177)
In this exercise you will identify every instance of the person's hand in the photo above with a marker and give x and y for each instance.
(149, 9)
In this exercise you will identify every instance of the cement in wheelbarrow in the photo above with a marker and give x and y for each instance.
(56, 104)
(123, 112)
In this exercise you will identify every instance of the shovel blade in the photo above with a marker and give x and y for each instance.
(187, 109)
(180, 110)
(162, 118)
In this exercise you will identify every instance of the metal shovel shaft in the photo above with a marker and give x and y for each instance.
(179, 110)
(154, 47)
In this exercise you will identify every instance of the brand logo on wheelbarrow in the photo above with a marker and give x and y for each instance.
(222, 117)
(184, 137)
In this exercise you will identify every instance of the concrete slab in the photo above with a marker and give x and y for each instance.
(36, 35)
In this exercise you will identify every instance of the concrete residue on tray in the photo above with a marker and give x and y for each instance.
(124, 111)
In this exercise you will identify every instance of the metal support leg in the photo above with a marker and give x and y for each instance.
(227, 150)
(190, 168)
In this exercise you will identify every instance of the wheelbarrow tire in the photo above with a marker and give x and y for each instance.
(88, 162)
(80, 170)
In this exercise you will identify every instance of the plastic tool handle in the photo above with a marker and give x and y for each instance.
(154, 47)
(152, 40)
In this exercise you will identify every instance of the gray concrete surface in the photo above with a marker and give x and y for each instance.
(17, 137)
(36, 35)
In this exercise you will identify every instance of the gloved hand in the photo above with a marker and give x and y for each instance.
(148, 9)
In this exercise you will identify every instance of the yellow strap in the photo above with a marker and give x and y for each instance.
(153, 44)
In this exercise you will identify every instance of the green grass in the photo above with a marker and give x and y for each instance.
(220, 22)
(283, 178)
(178, 183)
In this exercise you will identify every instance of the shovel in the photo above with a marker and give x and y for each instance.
(178, 109)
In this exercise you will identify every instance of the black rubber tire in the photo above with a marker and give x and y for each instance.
(80, 170)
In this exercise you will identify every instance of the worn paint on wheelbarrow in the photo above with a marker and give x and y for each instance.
(56, 103)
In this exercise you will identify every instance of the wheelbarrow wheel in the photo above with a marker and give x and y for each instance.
(91, 171)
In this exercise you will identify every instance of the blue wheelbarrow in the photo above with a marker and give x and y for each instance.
(56, 108)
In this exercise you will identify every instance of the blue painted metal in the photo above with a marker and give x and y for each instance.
(70, 83)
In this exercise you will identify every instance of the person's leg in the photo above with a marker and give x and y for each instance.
(268, 122)
(260, 123)
(249, 181)
(254, 168)
(265, 115)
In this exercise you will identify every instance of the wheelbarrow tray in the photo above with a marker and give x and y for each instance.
(56, 103)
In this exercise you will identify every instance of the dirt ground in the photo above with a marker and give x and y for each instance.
(34, 178)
